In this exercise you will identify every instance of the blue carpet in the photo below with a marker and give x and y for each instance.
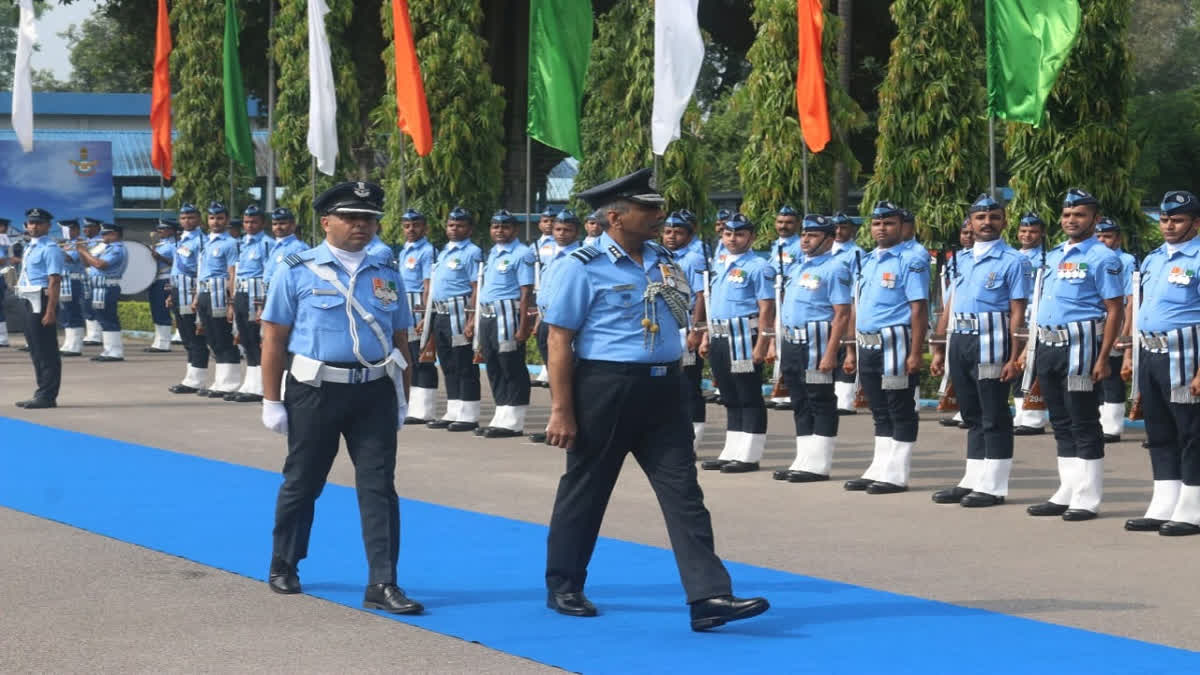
(480, 577)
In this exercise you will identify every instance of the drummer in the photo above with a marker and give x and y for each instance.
(107, 263)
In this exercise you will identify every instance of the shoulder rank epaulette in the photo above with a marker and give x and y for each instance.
(586, 254)
(294, 260)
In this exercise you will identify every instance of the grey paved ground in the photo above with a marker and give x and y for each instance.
(76, 601)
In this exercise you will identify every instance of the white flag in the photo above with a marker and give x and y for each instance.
(678, 54)
(322, 99)
(22, 93)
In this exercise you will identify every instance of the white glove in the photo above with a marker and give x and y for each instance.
(274, 416)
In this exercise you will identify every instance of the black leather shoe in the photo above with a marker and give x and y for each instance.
(843, 411)
(390, 598)
(438, 424)
(25, 348)
(780, 474)
(805, 477)
(721, 610)
(246, 398)
(713, 464)
(283, 578)
(155, 350)
(883, 488)
(537, 437)
(213, 393)
(739, 467)
(952, 495)
(231, 396)
(977, 500)
(202, 392)
(182, 389)
(571, 604)
(1144, 524)
(964, 425)
(415, 420)
(857, 484)
(1112, 438)
(479, 430)
(1028, 431)
(107, 359)
(948, 422)
(22, 404)
(769, 404)
(1079, 514)
(62, 353)
(783, 405)
(1047, 509)
(462, 426)
(501, 432)
(36, 403)
(1175, 528)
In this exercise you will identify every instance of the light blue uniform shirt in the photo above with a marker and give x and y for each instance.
(1171, 288)
(791, 253)
(739, 284)
(416, 264)
(601, 301)
(696, 245)
(280, 249)
(252, 255)
(117, 258)
(219, 254)
(846, 251)
(815, 286)
(560, 253)
(890, 280)
(545, 250)
(165, 248)
(509, 267)
(1077, 282)
(41, 260)
(693, 265)
(1127, 263)
(377, 249)
(456, 269)
(316, 310)
(72, 263)
(187, 253)
(988, 283)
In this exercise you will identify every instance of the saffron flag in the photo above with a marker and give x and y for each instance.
(560, 43)
(1028, 41)
(237, 123)
(322, 97)
(812, 105)
(160, 105)
(22, 93)
(412, 111)
(678, 54)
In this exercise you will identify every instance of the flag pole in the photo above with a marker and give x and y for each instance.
(270, 196)
(805, 169)
(528, 183)
(992, 153)
(403, 177)
(312, 184)
(162, 196)
(232, 206)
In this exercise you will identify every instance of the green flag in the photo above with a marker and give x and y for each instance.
(237, 124)
(1028, 42)
(560, 41)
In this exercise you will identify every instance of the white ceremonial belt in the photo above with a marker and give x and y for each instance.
(1053, 336)
(487, 311)
(721, 326)
(447, 306)
(205, 284)
(162, 275)
(314, 372)
(1154, 342)
(105, 281)
(966, 325)
(795, 335)
(243, 283)
(870, 340)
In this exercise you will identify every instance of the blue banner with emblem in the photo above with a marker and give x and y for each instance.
(68, 179)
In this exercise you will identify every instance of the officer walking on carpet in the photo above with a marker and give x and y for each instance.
(614, 355)
(453, 289)
(39, 287)
(989, 289)
(343, 318)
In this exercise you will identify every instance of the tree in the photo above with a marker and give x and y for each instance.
(931, 152)
(1085, 139)
(9, 18)
(617, 108)
(105, 58)
(202, 168)
(771, 165)
(465, 109)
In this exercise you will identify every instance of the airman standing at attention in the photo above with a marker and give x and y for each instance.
(454, 285)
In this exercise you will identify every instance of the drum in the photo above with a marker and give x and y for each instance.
(140, 271)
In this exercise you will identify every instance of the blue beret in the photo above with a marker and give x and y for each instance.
(283, 213)
(1107, 224)
(907, 216)
(689, 217)
(350, 198)
(1032, 218)
(88, 222)
(724, 215)
(815, 222)
(5, 222)
(676, 219)
(637, 187)
(594, 215)
(786, 210)
(965, 224)
(110, 227)
(188, 207)
(1077, 197)
(738, 222)
(252, 210)
(503, 217)
(840, 218)
(36, 215)
(985, 203)
(166, 224)
(69, 222)
(1180, 201)
(235, 222)
(549, 212)
(459, 213)
(567, 216)
(885, 209)
(217, 207)
(413, 215)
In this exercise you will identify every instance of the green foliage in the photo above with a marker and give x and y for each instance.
(723, 137)
(105, 58)
(466, 109)
(616, 113)
(1086, 140)
(772, 159)
(135, 315)
(1166, 129)
(931, 152)
(202, 168)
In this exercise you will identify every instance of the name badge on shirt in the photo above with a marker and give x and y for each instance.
(385, 291)
(888, 280)
(1180, 276)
